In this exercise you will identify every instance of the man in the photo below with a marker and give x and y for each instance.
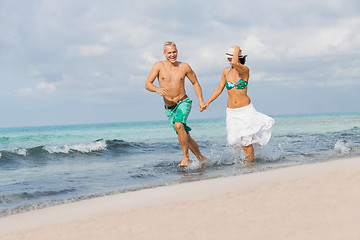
(171, 75)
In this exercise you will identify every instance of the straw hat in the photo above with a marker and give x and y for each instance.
(230, 53)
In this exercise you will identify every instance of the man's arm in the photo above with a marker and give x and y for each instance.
(149, 84)
(190, 74)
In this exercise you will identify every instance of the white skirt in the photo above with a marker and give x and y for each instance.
(246, 126)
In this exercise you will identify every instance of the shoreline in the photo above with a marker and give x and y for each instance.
(310, 201)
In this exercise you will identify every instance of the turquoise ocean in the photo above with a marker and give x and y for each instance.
(49, 165)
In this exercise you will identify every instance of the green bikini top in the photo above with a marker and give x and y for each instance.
(239, 84)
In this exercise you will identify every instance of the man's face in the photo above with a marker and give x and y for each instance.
(170, 53)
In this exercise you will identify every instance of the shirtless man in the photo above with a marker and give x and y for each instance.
(171, 75)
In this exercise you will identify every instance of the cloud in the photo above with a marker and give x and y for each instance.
(25, 91)
(342, 38)
(41, 88)
(258, 49)
(46, 87)
(84, 51)
(87, 50)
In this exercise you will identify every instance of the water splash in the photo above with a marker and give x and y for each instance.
(342, 147)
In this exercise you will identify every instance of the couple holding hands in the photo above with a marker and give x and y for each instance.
(245, 126)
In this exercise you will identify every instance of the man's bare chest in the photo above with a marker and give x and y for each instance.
(173, 75)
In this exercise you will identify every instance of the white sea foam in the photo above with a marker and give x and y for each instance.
(84, 148)
(20, 151)
(90, 147)
(342, 147)
(194, 165)
(62, 149)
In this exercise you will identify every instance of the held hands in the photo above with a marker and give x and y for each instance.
(202, 105)
(207, 104)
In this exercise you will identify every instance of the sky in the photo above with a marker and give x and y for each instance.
(86, 61)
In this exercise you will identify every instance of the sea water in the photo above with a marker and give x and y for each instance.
(44, 166)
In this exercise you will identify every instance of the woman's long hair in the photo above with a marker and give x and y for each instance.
(242, 59)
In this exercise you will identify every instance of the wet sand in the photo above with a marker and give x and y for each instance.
(313, 201)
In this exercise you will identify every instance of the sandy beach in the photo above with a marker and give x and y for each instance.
(313, 201)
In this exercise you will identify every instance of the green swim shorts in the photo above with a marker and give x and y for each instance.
(180, 113)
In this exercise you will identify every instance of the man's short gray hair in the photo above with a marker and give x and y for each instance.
(167, 44)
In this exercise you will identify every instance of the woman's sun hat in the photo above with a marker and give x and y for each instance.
(230, 53)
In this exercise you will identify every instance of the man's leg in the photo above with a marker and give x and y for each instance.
(249, 152)
(184, 143)
(195, 149)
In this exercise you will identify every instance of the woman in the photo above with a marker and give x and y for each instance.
(245, 126)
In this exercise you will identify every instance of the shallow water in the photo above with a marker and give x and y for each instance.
(43, 166)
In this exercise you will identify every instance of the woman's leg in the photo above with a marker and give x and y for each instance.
(249, 152)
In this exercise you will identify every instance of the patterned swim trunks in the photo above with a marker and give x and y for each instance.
(180, 113)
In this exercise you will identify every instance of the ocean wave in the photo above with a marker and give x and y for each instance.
(20, 151)
(32, 195)
(115, 146)
(17, 152)
(83, 148)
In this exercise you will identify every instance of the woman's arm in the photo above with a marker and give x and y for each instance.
(219, 89)
(235, 63)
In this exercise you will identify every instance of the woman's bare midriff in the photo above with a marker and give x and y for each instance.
(238, 99)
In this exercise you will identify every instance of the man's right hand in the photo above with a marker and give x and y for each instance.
(161, 91)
